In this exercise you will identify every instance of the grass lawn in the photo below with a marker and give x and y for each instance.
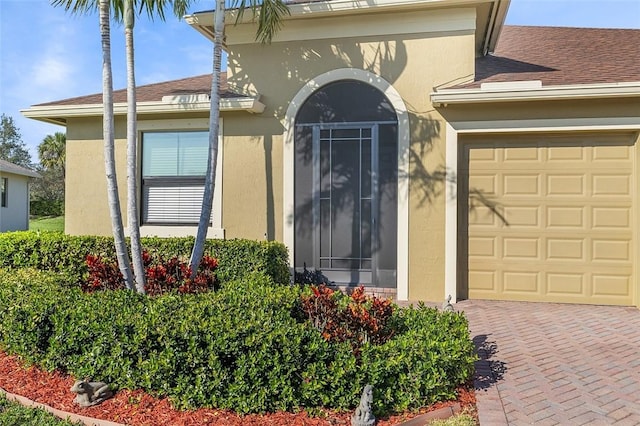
(47, 224)
(13, 414)
(462, 419)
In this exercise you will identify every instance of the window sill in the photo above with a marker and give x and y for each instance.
(178, 231)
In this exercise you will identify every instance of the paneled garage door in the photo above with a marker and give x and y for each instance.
(549, 218)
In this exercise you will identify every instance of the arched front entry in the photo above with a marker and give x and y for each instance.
(345, 186)
(292, 221)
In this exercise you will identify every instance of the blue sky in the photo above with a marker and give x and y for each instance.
(47, 54)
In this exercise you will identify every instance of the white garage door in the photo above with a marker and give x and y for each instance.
(549, 218)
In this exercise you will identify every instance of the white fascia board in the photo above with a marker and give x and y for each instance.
(510, 92)
(24, 172)
(333, 8)
(57, 114)
(499, 11)
(358, 6)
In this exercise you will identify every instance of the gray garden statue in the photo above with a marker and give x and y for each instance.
(90, 393)
(447, 306)
(363, 415)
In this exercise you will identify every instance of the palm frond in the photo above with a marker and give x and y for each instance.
(269, 14)
(157, 7)
(153, 8)
(77, 7)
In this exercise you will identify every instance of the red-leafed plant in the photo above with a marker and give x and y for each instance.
(363, 319)
(321, 307)
(174, 274)
(103, 275)
(163, 276)
(368, 318)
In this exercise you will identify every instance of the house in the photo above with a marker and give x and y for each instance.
(421, 148)
(14, 196)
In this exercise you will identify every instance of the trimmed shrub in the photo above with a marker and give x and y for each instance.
(424, 362)
(28, 300)
(247, 347)
(66, 254)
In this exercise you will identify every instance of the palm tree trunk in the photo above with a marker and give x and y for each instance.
(214, 124)
(109, 148)
(132, 153)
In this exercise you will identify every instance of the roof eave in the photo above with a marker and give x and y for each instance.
(444, 97)
(19, 172)
(28, 175)
(203, 21)
(58, 114)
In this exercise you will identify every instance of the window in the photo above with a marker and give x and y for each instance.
(4, 187)
(174, 165)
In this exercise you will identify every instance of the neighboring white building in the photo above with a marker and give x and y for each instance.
(14, 196)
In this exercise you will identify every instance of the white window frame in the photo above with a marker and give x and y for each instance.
(177, 125)
(174, 166)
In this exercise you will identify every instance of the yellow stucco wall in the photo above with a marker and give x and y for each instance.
(86, 208)
(556, 110)
(252, 196)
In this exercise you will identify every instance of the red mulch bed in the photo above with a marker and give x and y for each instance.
(138, 408)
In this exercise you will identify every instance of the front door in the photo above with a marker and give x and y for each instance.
(346, 178)
(345, 162)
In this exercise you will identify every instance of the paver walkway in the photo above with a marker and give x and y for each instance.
(555, 364)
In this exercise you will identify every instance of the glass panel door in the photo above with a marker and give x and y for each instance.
(346, 178)
(345, 202)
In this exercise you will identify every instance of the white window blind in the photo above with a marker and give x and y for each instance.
(173, 204)
(159, 154)
(192, 158)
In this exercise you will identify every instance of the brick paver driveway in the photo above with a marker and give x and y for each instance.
(555, 364)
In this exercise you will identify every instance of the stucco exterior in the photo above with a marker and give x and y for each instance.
(252, 205)
(86, 209)
(424, 58)
(85, 183)
(411, 63)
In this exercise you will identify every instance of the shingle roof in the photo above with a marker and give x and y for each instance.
(554, 55)
(155, 92)
(560, 56)
(8, 167)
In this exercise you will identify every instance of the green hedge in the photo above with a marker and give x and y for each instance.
(65, 254)
(46, 208)
(246, 347)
